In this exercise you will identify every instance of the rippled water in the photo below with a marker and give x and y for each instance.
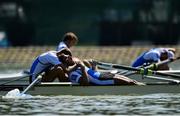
(153, 104)
(91, 105)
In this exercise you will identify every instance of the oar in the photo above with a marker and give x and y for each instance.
(152, 66)
(20, 77)
(32, 84)
(164, 79)
(143, 71)
(170, 71)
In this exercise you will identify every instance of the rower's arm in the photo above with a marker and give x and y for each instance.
(90, 64)
(68, 69)
(84, 79)
(72, 68)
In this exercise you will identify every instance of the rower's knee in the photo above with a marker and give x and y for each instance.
(59, 70)
(54, 73)
(61, 75)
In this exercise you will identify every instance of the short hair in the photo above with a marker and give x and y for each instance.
(69, 36)
(65, 51)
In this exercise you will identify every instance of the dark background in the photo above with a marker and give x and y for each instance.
(96, 22)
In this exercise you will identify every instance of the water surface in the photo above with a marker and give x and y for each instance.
(153, 104)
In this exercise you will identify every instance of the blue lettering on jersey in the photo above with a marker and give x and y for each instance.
(73, 77)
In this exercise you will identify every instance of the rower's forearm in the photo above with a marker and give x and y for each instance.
(72, 68)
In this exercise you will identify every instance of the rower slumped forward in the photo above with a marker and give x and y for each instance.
(88, 76)
(155, 55)
(55, 65)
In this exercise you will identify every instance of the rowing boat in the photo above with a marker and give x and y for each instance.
(68, 88)
(154, 84)
(165, 83)
(23, 77)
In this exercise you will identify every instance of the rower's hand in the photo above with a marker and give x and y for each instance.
(76, 60)
(80, 64)
(93, 62)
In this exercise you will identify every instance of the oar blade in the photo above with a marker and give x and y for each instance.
(16, 94)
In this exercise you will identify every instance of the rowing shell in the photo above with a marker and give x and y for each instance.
(68, 88)
(154, 85)
(22, 78)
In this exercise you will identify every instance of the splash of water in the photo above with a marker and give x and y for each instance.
(15, 94)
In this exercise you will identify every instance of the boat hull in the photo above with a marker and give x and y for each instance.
(47, 89)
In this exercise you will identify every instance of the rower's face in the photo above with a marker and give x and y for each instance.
(164, 56)
(69, 60)
(72, 43)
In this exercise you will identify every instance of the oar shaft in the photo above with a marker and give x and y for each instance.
(161, 78)
(144, 71)
(170, 71)
(148, 72)
(110, 65)
(165, 74)
(32, 84)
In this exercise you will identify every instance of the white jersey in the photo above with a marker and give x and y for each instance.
(154, 54)
(76, 75)
(49, 58)
(61, 45)
(43, 62)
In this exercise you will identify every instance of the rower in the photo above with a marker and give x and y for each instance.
(155, 55)
(87, 76)
(53, 63)
(69, 40)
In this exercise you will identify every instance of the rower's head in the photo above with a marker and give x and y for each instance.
(65, 51)
(65, 56)
(164, 56)
(70, 39)
(66, 59)
(167, 54)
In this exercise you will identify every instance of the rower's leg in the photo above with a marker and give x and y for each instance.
(61, 75)
(122, 80)
(53, 73)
